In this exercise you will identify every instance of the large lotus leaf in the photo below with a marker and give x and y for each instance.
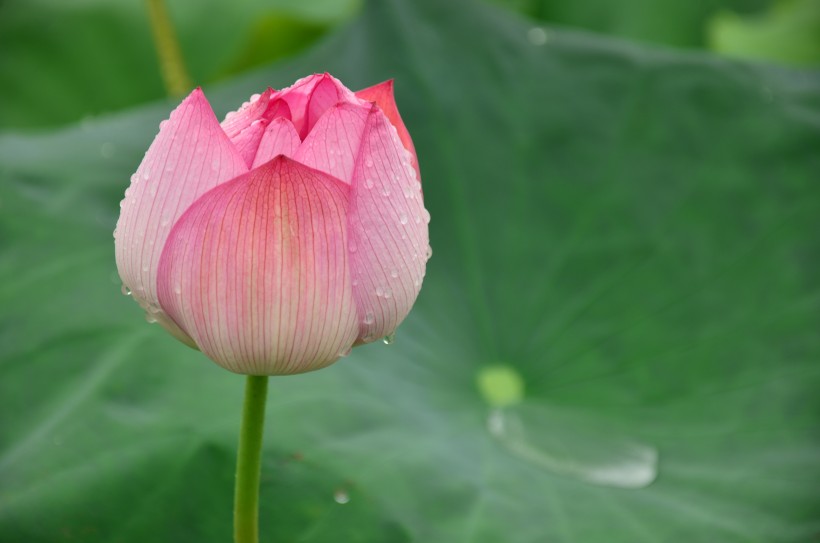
(617, 339)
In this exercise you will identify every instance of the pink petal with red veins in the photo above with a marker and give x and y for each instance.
(190, 156)
(260, 106)
(280, 138)
(387, 229)
(333, 144)
(382, 96)
(247, 141)
(311, 96)
(256, 271)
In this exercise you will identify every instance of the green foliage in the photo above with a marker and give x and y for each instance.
(632, 234)
(62, 61)
(677, 23)
(789, 32)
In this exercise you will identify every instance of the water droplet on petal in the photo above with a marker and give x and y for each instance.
(345, 352)
(368, 183)
(379, 292)
(352, 247)
(389, 338)
(355, 282)
(150, 319)
(178, 289)
(255, 97)
(394, 273)
(145, 174)
(429, 252)
(426, 215)
(403, 218)
(369, 163)
(369, 318)
(125, 290)
(386, 191)
(388, 293)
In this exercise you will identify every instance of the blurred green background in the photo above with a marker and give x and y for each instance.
(618, 338)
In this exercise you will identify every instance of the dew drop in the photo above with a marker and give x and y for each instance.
(388, 293)
(369, 318)
(107, 149)
(341, 497)
(537, 35)
(135, 178)
(368, 183)
(345, 352)
(352, 246)
(379, 292)
(125, 290)
(163, 124)
(369, 163)
(214, 164)
(355, 282)
(429, 252)
(145, 174)
(394, 273)
(178, 289)
(426, 215)
(389, 338)
(403, 218)
(145, 267)
(150, 319)
(386, 191)
(255, 97)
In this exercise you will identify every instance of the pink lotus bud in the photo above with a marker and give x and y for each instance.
(276, 241)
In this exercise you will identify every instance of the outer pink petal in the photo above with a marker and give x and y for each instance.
(256, 271)
(334, 143)
(382, 96)
(190, 156)
(311, 96)
(280, 138)
(387, 228)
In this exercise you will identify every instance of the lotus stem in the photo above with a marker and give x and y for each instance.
(175, 76)
(249, 461)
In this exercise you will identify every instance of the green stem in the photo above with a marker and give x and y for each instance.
(174, 74)
(248, 463)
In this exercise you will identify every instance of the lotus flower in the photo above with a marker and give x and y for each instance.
(277, 240)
